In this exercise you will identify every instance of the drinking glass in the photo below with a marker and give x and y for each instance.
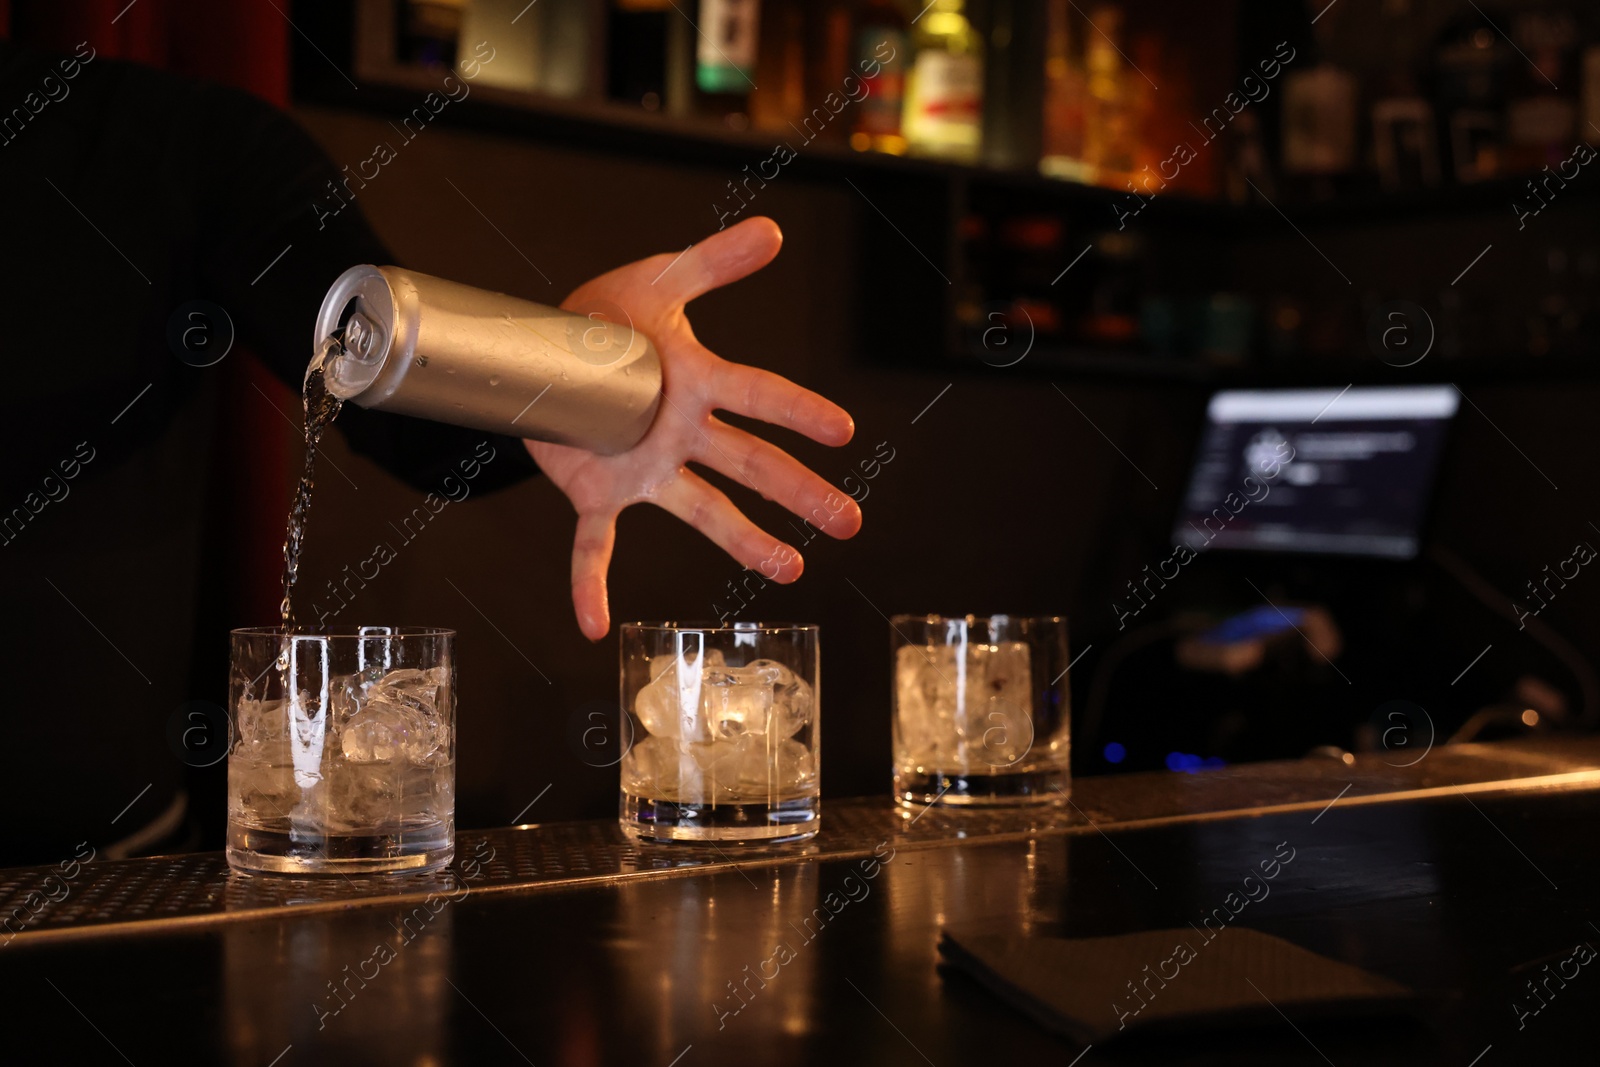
(343, 753)
(725, 737)
(981, 714)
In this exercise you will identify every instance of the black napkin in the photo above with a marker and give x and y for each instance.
(1093, 989)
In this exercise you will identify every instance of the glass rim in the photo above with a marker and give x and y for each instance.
(970, 620)
(692, 626)
(340, 633)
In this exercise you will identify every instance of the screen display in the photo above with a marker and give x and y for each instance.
(1341, 472)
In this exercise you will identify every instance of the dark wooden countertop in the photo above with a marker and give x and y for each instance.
(566, 943)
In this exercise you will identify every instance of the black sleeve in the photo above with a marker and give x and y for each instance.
(276, 243)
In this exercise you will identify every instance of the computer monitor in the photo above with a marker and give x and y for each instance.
(1346, 472)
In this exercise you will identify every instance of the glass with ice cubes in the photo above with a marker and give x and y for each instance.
(343, 750)
(725, 738)
(981, 714)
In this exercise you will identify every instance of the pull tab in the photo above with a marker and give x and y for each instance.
(355, 352)
(361, 338)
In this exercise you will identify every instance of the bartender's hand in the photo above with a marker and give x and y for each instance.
(697, 383)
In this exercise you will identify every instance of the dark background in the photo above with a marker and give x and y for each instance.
(1038, 488)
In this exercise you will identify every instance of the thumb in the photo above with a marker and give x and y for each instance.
(722, 258)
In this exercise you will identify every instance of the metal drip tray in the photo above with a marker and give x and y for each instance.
(160, 893)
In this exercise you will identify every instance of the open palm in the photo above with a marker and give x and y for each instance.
(696, 383)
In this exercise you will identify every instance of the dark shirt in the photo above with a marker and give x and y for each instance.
(128, 193)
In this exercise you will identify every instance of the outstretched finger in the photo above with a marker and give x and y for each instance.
(695, 501)
(778, 476)
(761, 394)
(591, 557)
(724, 257)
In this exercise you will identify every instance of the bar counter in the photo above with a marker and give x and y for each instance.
(1459, 876)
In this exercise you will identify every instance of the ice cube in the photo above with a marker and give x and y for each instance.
(415, 708)
(925, 700)
(429, 798)
(1006, 673)
(933, 677)
(261, 722)
(1007, 735)
(796, 769)
(764, 769)
(737, 700)
(400, 677)
(758, 769)
(382, 731)
(658, 708)
(444, 683)
(354, 798)
(657, 769)
(717, 763)
(374, 734)
(791, 698)
(963, 709)
(999, 726)
(407, 687)
(345, 694)
(793, 704)
(662, 665)
(773, 672)
(260, 789)
(672, 702)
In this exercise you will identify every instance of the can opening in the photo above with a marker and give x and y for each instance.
(354, 364)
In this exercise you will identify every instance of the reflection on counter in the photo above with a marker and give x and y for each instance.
(723, 965)
(341, 980)
(1000, 890)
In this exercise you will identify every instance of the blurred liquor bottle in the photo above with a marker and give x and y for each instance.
(637, 39)
(1110, 126)
(543, 47)
(1104, 119)
(1542, 108)
(1184, 132)
(1471, 66)
(1320, 130)
(1063, 153)
(569, 33)
(881, 54)
(1404, 141)
(430, 31)
(943, 113)
(779, 97)
(830, 68)
(1013, 82)
(727, 46)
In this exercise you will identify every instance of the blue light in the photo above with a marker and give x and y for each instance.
(1174, 761)
(1115, 753)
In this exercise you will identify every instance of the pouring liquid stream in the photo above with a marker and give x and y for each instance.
(321, 407)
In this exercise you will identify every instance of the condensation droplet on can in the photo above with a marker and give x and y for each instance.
(494, 379)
